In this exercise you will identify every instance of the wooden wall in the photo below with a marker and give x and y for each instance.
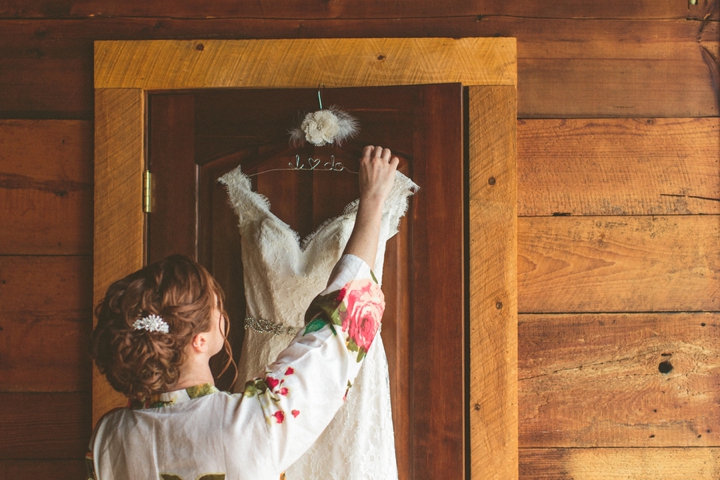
(619, 216)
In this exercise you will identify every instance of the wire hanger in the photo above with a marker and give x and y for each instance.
(312, 164)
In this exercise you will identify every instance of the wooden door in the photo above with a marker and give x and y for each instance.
(197, 136)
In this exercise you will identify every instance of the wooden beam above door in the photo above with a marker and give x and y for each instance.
(298, 63)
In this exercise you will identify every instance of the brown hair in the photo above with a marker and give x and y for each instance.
(139, 363)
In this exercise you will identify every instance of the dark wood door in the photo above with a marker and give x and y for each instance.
(197, 136)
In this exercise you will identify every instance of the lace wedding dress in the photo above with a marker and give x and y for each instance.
(282, 275)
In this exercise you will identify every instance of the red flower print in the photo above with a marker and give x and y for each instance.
(295, 413)
(289, 371)
(365, 305)
(279, 416)
(271, 382)
(283, 391)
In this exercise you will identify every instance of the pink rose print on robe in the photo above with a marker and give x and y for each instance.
(365, 304)
(295, 413)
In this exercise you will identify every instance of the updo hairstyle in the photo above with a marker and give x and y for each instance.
(140, 363)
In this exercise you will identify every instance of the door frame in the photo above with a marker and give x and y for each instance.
(126, 70)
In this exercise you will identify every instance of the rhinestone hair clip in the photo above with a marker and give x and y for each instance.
(151, 323)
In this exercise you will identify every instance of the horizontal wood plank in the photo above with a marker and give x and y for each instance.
(46, 186)
(615, 380)
(45, 323)
(619, 166)
(45, 353)
(41, 468)
(620, 463)
(618, 87)
(45, 284)
(618, 264)
(44, 425)
(618, 68)
(643, 9)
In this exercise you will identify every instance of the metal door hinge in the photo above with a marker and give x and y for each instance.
(147, 192)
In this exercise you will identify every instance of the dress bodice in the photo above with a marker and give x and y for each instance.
(282, 273)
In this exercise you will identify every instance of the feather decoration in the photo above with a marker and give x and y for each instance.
(321, 127)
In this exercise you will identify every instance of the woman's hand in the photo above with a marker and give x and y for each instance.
(377, 174)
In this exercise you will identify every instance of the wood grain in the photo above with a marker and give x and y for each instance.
(46, 68)
(620, 463)
(437, 433)
(45, 323)
(493, 282)
(611, 93)
(599, 381)
(618, 264)
(44, 425)
(171, 225)
(119, 219)
(57, 469)
(643, 9)
(619, 166)
(158, 64)
(45, 187)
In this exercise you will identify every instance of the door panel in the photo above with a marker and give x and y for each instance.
(195, 137)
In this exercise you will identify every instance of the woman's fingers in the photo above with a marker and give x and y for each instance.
(367, 152)
(377, 172)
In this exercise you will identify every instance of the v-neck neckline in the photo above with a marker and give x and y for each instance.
(300, 242)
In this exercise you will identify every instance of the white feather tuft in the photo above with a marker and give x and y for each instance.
(325, 126)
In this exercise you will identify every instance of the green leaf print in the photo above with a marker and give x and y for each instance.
(255, 387)
(329, 305)
(315, 325)
(198, 391)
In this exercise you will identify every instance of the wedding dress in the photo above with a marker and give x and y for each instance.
(282, 275)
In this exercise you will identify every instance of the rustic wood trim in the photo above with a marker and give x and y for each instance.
(119, 219)
(139, 66)
(493, 283)
(333, 62)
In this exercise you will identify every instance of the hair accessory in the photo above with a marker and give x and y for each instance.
(151, 323)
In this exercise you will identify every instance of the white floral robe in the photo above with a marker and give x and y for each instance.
(202, 433)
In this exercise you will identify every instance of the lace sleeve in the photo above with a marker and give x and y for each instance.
(310, 380)
(247, 204)
(397, 203)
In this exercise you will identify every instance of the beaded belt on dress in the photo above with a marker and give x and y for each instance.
(266, 326)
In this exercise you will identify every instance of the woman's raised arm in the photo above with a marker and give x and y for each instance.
(377, 174)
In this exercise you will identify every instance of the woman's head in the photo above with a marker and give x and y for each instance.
(141, 361)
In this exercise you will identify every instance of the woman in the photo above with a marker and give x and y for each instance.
(158, 328)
